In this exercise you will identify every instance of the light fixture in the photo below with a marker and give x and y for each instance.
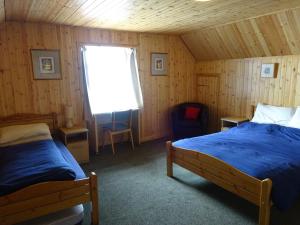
(69, 114)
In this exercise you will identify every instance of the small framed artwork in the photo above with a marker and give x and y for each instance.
(269, 70)
(46, 64)
(159, 64)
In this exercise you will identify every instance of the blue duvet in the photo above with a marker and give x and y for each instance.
(26, 164)
(260, 150)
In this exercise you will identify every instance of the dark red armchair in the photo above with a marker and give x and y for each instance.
(189, 119)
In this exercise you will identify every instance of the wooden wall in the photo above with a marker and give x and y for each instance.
(162, 92)
(19, 93)
(270, 35)
(2, 11)
(241, 85)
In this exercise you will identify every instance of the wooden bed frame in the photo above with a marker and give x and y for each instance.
(222, 174)
(47, 197)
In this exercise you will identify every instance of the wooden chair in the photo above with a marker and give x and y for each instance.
(121, 123)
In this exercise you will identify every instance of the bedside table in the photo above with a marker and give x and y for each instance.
(76, 140)
(232, 121)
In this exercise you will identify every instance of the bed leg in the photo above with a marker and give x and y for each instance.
(169, 159)
(94, 199)
(265, 202)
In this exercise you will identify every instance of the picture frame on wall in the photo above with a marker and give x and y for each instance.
(269, 70)
(159, 64)
(46, 64)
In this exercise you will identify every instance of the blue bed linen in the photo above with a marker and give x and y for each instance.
(26, 164)
(260, 150)
(79, 174)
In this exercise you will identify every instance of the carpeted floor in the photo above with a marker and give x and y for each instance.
(134, 190)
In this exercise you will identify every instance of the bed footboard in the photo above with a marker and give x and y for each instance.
(222, 174)
(48, 197)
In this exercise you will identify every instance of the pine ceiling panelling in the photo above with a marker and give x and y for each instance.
(270, 35)
(172, 16)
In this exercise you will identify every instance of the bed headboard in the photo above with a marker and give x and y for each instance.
(20, 119)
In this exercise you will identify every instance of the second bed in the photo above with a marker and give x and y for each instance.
(258, 162)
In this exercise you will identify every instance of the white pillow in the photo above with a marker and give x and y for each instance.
(27, 140)
(295, 121)
(23, 132)
(273, 114)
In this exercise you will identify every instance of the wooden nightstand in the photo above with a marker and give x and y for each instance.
(232, 121)
(76, 140)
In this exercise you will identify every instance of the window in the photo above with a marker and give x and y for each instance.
(111, 78)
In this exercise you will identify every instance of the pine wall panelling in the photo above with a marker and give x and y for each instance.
(162, 92)
(270, 35)
(19, 93)
(208, 94)
(2, 11)
(241, 85)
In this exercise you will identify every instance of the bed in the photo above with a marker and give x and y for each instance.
(25, 199)
(250, 146)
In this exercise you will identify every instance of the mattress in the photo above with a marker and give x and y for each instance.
(259, 150)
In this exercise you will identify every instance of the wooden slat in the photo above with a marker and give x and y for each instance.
(41, 189)
(45, 199)
(163, 92)
(2, 11)
(241, 85)
(297, 97)
(220, 182)
(269, 35)
(43, 210)
(21, 119)
(19, 93)
(208, 94)
(152, 16)
(219, 172)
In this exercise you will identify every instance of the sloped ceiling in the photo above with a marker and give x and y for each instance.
(250, 28)
(271, 35)
(159, 16)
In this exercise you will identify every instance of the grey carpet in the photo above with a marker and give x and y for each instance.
(134, 190)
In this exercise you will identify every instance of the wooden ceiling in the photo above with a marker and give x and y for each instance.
(160, 16)
(271, 35)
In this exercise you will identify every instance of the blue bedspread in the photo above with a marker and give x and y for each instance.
(260, 150)
(79, 174)
(26, 164)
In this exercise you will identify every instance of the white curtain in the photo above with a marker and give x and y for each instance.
(112, 79)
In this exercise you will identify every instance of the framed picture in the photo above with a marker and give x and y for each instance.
(159, 64)
(269, 70)
(46, 64)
